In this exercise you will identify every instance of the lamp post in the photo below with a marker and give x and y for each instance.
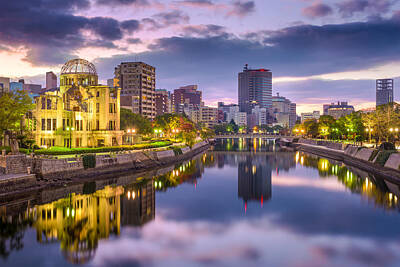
(369, 131)
(175, 131)
(70, 129)
(131, 132)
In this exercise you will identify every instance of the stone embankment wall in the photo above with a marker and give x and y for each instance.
(383, 163)
(124, 161)
(13, 164)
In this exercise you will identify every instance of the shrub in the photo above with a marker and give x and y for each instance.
(66, 151)
(373, 155)
(383, 156)
(177, 151)
(387, 146)
(89, 161)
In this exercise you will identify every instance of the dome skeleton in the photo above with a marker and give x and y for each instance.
(78, 66)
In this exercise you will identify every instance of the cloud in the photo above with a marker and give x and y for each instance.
(197, 3)
(348, 8)
(242, 8)
(130, 25)
(204, 30)
(165, 19)
(123, 2)
(317, 10)
(134, 41)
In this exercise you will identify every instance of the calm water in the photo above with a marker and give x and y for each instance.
(245, 204)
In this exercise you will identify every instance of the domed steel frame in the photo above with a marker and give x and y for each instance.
(78, 66)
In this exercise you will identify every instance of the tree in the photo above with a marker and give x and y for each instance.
(369, 120)
(14, 105)
(130, 120)
(206, 133)
(311, 127)
(387, 116)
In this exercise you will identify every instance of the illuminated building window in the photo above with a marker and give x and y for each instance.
(43, 124)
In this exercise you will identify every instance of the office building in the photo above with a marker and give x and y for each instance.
(284, 111)
(384, 91)
(138, 84)
(163, 101)
(339, 109)
(315, 115)
(255, 89)
(80, 113)
(208, 116)
(51, 80)
(185, 95)
(4, 85)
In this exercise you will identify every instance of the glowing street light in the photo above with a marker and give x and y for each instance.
(70, 129)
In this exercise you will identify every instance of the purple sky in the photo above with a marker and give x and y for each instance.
(319, 51)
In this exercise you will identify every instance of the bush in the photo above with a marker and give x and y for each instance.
(383, 156)
(89, 161)
(177, 151)
(66, 151)
(387, 146)
(373, 155)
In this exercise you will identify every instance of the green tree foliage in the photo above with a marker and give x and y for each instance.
(130, 120)
(311, 128)
(13, 106)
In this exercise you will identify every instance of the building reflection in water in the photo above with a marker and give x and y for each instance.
(376, 190)
(80, 221)
(254, 179)
(245, 145)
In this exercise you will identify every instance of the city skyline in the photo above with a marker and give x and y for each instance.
(363, 44)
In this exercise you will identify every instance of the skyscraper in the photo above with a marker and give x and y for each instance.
(138, 83)
(51, 80)
(384, 91)
(255, 89)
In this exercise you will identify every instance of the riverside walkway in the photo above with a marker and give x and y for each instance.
(253, 135)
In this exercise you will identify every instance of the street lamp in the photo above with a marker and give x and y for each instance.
(70, 135)
(175, 131)
(131, 132)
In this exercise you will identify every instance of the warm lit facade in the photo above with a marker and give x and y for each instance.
(138, 85)
(80, 113)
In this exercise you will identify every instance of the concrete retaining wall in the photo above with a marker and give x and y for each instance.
(185, 150)
(364, 153)
(393, 162)
(165, 154)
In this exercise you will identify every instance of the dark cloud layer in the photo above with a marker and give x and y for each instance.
(242, 8)
(348, 8)
(44, 26)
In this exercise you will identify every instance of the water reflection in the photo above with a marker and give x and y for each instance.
(292, 187)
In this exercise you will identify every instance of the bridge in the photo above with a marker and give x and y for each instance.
(252, 135)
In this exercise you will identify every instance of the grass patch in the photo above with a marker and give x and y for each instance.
(66, 151)
(383, 156)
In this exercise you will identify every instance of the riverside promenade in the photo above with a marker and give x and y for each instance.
(21, 171)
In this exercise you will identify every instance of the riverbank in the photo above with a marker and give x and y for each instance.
(59, 172)
(380, 163)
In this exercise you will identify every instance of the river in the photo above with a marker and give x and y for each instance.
(243, 203)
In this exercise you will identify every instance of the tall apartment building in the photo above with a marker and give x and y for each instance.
(163, 102)
(51, 80)
(138, 85)
(185, 95)
(208, 116)
(4, 84)
(384, 91)
(255, 89)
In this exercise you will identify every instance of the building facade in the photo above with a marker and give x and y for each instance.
(284, 111)
(340, 109)
(163, 101)
(81, 113)
(255, 89)
(4, 85)
(51, 80)
(384, 91)
(138, 84)
(315, 115)
(185, 95)
(208, 116)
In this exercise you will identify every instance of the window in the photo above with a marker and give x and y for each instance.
(54, 124)
(63, 124)
(48, 103)
(97, 125)
(43, 103)
(97, 107)
(48, 124)
(97, 93)
(43, 125)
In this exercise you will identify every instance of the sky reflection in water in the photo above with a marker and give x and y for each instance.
(223, 208)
